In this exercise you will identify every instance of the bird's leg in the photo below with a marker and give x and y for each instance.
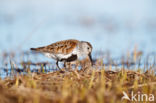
(57, 65)
(65, 65)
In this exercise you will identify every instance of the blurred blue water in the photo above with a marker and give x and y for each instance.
(117, 26)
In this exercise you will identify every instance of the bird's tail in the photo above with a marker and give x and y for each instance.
(40, 49)
(34, 49)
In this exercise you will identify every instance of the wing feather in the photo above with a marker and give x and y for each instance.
(61, 47)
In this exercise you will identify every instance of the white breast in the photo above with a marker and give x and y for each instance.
(58, 56)
(61, 56)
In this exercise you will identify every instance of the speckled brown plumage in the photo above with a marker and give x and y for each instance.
(60, 47)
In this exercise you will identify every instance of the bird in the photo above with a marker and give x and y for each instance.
(66, 51)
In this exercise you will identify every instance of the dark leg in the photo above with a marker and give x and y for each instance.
(57, 65)
(65, 64)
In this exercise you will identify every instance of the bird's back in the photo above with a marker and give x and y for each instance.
(61, 47)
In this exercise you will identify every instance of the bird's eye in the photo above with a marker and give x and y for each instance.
(88, 48)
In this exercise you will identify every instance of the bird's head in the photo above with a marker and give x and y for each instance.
(87, 49)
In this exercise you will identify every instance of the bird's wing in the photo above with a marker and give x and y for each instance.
(61, 47)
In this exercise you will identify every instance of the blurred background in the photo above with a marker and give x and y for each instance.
(110, 25)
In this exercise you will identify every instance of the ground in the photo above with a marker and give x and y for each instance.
(79, 86)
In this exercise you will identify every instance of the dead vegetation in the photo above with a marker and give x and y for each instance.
(91, 86)
(35, 83)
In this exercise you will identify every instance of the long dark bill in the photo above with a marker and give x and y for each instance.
(90, 57)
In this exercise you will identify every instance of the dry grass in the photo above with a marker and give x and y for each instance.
(98, 84)
(89, 86)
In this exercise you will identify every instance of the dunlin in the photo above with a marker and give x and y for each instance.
(66, 51)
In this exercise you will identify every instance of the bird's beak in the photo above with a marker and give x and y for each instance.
(90, 57)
